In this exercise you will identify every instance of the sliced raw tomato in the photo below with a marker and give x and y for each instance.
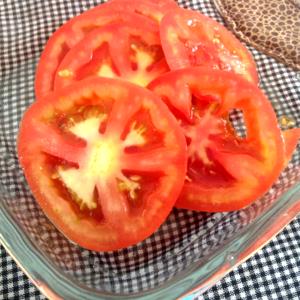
(105, 159)
(73, 31)
(190, 38)
(226, 171)
(116, 50)
(291, 138)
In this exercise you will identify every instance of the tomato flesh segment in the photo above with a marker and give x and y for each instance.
(199, 134)
(118, 119)
(192, 39)
(100, 65)
(115, 211)
(225, 171)
(152, 160)
(71, 147)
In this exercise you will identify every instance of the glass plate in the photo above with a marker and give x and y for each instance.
(189, 252)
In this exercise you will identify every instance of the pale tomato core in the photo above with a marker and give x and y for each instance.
(101, 161)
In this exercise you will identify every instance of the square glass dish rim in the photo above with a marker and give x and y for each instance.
(55, 284)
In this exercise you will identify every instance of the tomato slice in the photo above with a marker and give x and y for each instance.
(105, 159)
(190, 38)
(226, 171)
(291, 138)
(116, 50)
(73, 31)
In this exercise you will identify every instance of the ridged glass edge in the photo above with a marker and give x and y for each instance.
(199, 277)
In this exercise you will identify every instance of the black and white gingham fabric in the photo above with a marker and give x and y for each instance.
(272, 274)
(24, 29)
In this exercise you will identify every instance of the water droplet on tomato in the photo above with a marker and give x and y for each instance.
(190, 22)
(194, 49)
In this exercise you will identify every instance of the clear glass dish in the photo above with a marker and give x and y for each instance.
(188, 253)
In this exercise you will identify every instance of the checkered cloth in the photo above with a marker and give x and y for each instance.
(271, 274)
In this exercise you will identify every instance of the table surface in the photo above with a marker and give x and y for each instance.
(273, 273)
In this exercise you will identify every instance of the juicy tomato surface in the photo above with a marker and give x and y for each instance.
(105, 159)
(115, 50)
(190, 38)
(73, 31)
(226, 170)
